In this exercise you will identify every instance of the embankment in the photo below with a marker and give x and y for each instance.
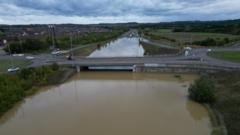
(15, 87)
(228, 99)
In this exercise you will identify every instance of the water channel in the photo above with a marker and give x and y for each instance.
(110, 103)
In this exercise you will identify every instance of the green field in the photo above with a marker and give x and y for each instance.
(187, 36)
(184, 38)
(233, 56)
(5, 64)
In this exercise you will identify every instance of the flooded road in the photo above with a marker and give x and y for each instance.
(125, 47)
(110, 103)
(122, 47)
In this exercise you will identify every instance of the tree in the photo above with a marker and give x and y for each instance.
(202, 90)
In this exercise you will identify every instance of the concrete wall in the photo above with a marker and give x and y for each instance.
(169, 68)
(179, 69)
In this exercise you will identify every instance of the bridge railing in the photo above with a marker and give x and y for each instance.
(192, 66)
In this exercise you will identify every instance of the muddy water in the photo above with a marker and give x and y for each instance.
(110, 103)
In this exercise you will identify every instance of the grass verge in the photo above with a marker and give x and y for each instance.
(5, 64)
(228, 99)
(233, 56)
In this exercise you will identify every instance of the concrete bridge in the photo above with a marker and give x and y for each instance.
(177, 63)
(200, 62)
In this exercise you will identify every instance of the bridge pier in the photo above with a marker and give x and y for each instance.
(78, 68)
(136, 68)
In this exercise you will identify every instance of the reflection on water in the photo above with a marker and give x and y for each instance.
(110, 103)
(123, 47)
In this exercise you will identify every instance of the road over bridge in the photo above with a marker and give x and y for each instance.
(200, 60)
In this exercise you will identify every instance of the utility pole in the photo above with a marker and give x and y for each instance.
(21, 48)
(70, 57)
(71, 45)
(191, 39)
(52, 30)
(9, 50)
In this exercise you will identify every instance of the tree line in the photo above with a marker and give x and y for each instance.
(42, 44)
(213, 42)
(226, 27)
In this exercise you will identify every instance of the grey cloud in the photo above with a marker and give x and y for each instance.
(110, 10)
(106, 7)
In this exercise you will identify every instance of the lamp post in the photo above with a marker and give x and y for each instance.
(9, 50)
(71, 45)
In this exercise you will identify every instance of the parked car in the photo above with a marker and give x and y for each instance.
(13, 69)
(18, 55)
(209, 50)
(57, 52)
(30, 57)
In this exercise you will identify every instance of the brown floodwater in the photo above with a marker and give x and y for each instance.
(110, 103)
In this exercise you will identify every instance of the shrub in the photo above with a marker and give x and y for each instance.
(202, 90)
(213, 42)
(55, 67)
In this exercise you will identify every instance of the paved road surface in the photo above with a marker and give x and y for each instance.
(199, 56)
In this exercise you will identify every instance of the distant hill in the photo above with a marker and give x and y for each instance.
(226, 26)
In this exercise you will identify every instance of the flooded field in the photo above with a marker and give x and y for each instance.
(110, 103)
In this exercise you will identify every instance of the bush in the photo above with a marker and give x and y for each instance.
(2, 33)
(55, 67)
(213, 42)
(202, 90)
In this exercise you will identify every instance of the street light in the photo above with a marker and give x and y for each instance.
(71, 46)
(9, 50)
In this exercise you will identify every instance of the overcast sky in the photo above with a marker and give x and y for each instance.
(112, 11)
